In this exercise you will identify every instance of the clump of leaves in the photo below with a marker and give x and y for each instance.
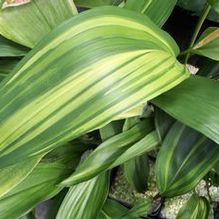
(107, 80)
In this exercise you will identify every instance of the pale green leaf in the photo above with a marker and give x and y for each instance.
(184, 159)
(119, 63)
(208, 44)
(104, 156)
(85, 200)
(194, 102)
(14, 174)
(28, 23)
(40, 185)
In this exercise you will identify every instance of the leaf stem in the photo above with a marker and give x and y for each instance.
(198, 27)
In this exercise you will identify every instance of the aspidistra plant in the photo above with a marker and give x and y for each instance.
(112, 73)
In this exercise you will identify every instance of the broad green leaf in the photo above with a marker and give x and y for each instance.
(119, 63)
(28, 23)
(157, 10)
(108, 152)
(96, 3)
(11, 49)
(208, 44)
(14, 174)
(137, 171)
(195, 208)
(184, 159)
(85, 200)
(40, 185)
(195, 103)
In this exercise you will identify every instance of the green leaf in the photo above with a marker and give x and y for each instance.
(199, 95)
(109, 152)
(184, 159)
(27, 24)
(96, 3)
(195, 208)
(40, 185)
(137, 171)
(14, 174)
(11, 49)
(214, 4)
(157, 10)
(119, 63)
(85, 200)
(208, 44)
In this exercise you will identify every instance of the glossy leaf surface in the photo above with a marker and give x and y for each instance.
(113, 61)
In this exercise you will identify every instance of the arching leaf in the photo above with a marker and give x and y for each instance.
(27, 24)
(83, 75)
